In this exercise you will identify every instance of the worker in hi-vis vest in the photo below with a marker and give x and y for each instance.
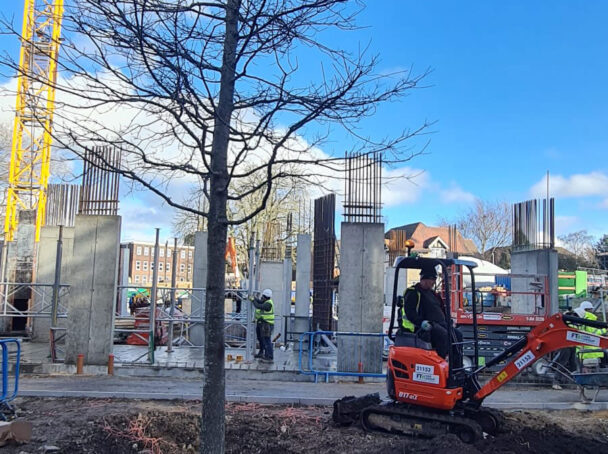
(423, 313)
(585, 310)
(264, 323)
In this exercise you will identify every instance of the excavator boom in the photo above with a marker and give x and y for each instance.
(557, 332)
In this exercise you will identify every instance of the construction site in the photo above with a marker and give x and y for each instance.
(103, 340)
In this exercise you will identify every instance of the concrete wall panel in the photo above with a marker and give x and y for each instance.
(93, 288)
(303, 261)
(199, 280)
(361, 296)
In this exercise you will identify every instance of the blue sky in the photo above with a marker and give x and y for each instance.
(517, 89)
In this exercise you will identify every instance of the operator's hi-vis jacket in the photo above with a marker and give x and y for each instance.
(405, 323)
(422, 305)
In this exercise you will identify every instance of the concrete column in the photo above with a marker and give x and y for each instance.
(286, 298)
(361, 296)
(272, 277)
(303, 259)
(125, 258)
(199, 280)
(93, 283)
(538, 262)
(45, 274)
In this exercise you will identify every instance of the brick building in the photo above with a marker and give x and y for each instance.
(141, 264)
(428, 241)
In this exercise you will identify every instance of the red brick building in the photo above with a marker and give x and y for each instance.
(141, 264)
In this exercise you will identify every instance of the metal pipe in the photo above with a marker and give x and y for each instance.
(172, 295)
(249, 340)
(151, 340)
(56, 288)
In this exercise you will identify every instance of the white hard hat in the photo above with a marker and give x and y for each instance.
(580, 312)
(267, 293)
(586, 305)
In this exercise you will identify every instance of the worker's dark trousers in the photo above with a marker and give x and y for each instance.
(441, 342)
(263, 332)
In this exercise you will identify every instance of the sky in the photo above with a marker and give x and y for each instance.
(517, 89)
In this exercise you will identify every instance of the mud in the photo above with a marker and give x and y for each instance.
(119, 426)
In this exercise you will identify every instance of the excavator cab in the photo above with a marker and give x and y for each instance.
(415, 372)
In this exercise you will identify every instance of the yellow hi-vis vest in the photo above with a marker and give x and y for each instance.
(405, 323)
(267, 316)
(590, 352)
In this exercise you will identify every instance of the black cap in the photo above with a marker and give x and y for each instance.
(428, 273)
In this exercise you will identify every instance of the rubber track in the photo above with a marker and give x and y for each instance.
(452, 423)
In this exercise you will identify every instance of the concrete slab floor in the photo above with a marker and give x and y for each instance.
(188, 357)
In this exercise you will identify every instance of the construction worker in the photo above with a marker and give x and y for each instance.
(423, 313)
(585, 310)
(264, 323)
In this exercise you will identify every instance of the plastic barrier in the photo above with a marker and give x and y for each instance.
(10, 387)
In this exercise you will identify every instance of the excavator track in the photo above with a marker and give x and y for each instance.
(400, 419)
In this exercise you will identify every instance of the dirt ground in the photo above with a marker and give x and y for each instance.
(126, 426)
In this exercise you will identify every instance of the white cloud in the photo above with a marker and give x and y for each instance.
(566, 224)
(577, 185)
(455, 194)
(403, 185)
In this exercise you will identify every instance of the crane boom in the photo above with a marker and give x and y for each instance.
(31, 144)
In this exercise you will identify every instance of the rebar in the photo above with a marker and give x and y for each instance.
(362, 192)
(100, 181)
(533, 227)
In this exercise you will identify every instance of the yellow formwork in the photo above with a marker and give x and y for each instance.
(31, 147)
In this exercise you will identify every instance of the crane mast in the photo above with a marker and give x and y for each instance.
(31, 144)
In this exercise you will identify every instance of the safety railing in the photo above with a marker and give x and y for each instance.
(179, 319)
(40, 295)
(296, 326)
(310, 337)
(10, 385)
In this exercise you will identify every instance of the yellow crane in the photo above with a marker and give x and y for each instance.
(31, 147)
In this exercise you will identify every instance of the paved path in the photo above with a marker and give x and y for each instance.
(307, 393)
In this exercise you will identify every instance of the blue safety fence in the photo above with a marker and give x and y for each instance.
(311, 335)
(10, 382)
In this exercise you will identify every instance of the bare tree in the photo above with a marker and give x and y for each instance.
(487, 223)
(288, 200)
(213, 92)
(581, 244)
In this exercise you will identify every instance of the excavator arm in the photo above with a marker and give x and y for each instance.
(557, 332)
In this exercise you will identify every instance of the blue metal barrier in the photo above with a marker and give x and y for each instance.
(9, 392)
(311, 371)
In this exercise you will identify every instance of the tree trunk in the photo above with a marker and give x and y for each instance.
(214, 386)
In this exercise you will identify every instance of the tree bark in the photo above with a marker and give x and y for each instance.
(214, 386)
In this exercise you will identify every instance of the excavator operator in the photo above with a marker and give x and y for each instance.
(423, 313)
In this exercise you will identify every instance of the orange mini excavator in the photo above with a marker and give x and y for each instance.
(430, 395)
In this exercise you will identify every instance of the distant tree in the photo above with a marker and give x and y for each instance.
(580, 244)
(488, 224)
(601, 252)
(288, 200)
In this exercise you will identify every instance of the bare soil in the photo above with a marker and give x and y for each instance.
(126, 426)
